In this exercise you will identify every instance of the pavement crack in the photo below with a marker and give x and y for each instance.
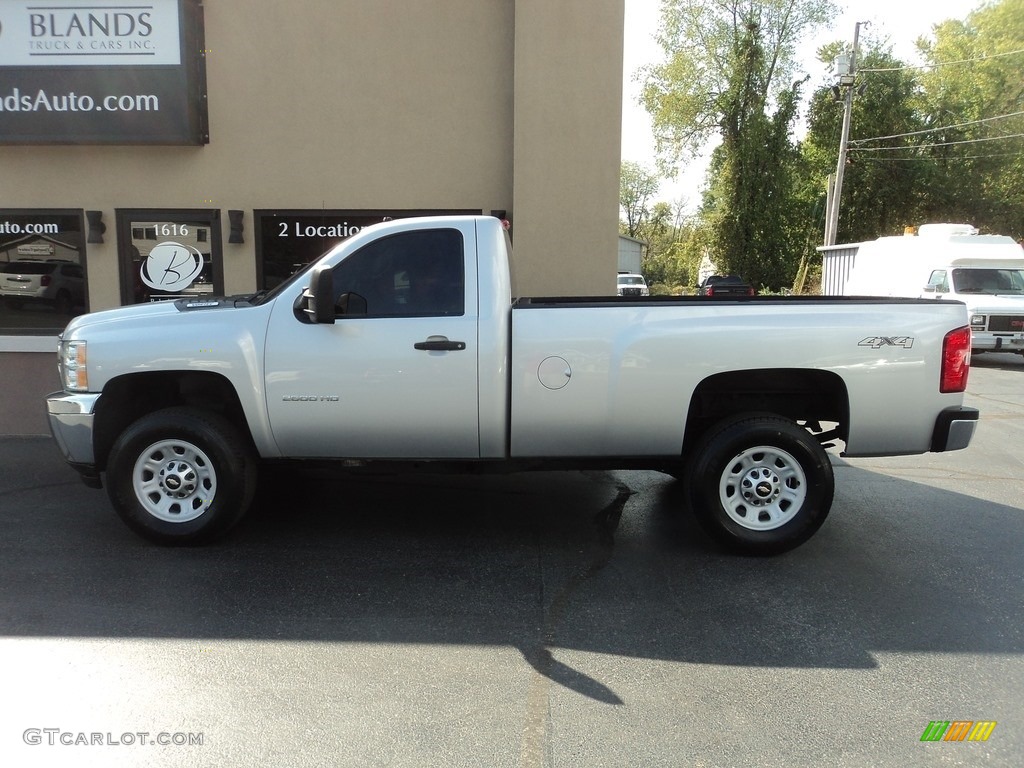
(546, 668)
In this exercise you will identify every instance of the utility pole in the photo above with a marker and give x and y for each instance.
(847, 75)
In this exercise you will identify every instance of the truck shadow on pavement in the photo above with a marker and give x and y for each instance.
(599, 562)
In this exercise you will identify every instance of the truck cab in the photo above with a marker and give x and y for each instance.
(994, 294)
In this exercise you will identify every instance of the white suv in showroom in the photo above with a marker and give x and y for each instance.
(55, 283)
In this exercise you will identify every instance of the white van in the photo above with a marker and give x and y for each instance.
(951, 261)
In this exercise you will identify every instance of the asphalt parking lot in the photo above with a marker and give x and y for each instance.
(546, 619)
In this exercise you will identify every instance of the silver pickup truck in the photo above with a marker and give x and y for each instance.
(403, 347)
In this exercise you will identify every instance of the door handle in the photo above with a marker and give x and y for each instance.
(440, 344)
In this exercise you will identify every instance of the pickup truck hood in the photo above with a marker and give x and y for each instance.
(987, 303)
(147, 314)
(214, 335)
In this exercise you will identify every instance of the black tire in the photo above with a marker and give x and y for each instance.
(181, 476)
(760, 484)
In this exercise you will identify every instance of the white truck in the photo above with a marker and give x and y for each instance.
(403, 348)
(632, 284)
(951, 261)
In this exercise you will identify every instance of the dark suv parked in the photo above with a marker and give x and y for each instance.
(724, 286)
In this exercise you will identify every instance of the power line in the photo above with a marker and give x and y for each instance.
(943, 63)
(941, 128)
(942, 144)
(919, 158)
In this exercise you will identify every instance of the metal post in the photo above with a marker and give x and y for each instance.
(830, 192)
(847, 83)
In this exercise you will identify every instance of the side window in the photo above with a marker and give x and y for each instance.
(938, 279)
(413, 274)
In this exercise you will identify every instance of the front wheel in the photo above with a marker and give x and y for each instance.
(760, 484)
(181, 476)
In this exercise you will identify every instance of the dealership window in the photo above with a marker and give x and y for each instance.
(42, 270)
(169, 254)
(288, 240)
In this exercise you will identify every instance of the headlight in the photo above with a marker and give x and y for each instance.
(978, 320)
(72, 359)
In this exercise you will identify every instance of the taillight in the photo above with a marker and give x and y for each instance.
(956, 360)
(709, 291)
(750, 292)
(44, 280)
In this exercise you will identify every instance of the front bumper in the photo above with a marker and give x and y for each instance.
(71, 423)
(954, 429)
(986, 341)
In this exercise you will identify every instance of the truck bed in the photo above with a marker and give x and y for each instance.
(619, 375)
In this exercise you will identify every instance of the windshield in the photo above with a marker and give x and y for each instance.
(630, 280)
(989, 281)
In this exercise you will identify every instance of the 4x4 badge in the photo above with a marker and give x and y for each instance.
(877, 342)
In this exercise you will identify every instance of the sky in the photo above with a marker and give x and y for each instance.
(899, 21)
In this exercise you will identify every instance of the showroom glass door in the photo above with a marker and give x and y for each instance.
(169, 254)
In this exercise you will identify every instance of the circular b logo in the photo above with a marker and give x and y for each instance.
(171, 267)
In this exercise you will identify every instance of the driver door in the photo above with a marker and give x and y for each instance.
(394, 377)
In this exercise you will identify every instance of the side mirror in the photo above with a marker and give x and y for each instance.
(930, 288)
(317, 299)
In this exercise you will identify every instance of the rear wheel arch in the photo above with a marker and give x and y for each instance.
(798, 394)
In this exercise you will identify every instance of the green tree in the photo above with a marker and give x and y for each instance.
(751, 210)
(637, 187)
(884, 179)
(728, 73)
(690, 92)
(665, 265)
(974, 99)
(940, 143)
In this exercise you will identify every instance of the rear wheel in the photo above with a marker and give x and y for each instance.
(760, 484)
(181, 476)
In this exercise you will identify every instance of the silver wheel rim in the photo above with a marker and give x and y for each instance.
(174, 481)
(762, 488)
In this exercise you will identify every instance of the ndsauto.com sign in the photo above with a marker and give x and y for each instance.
(74, 72)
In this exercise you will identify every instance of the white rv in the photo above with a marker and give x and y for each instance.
(951, 261)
